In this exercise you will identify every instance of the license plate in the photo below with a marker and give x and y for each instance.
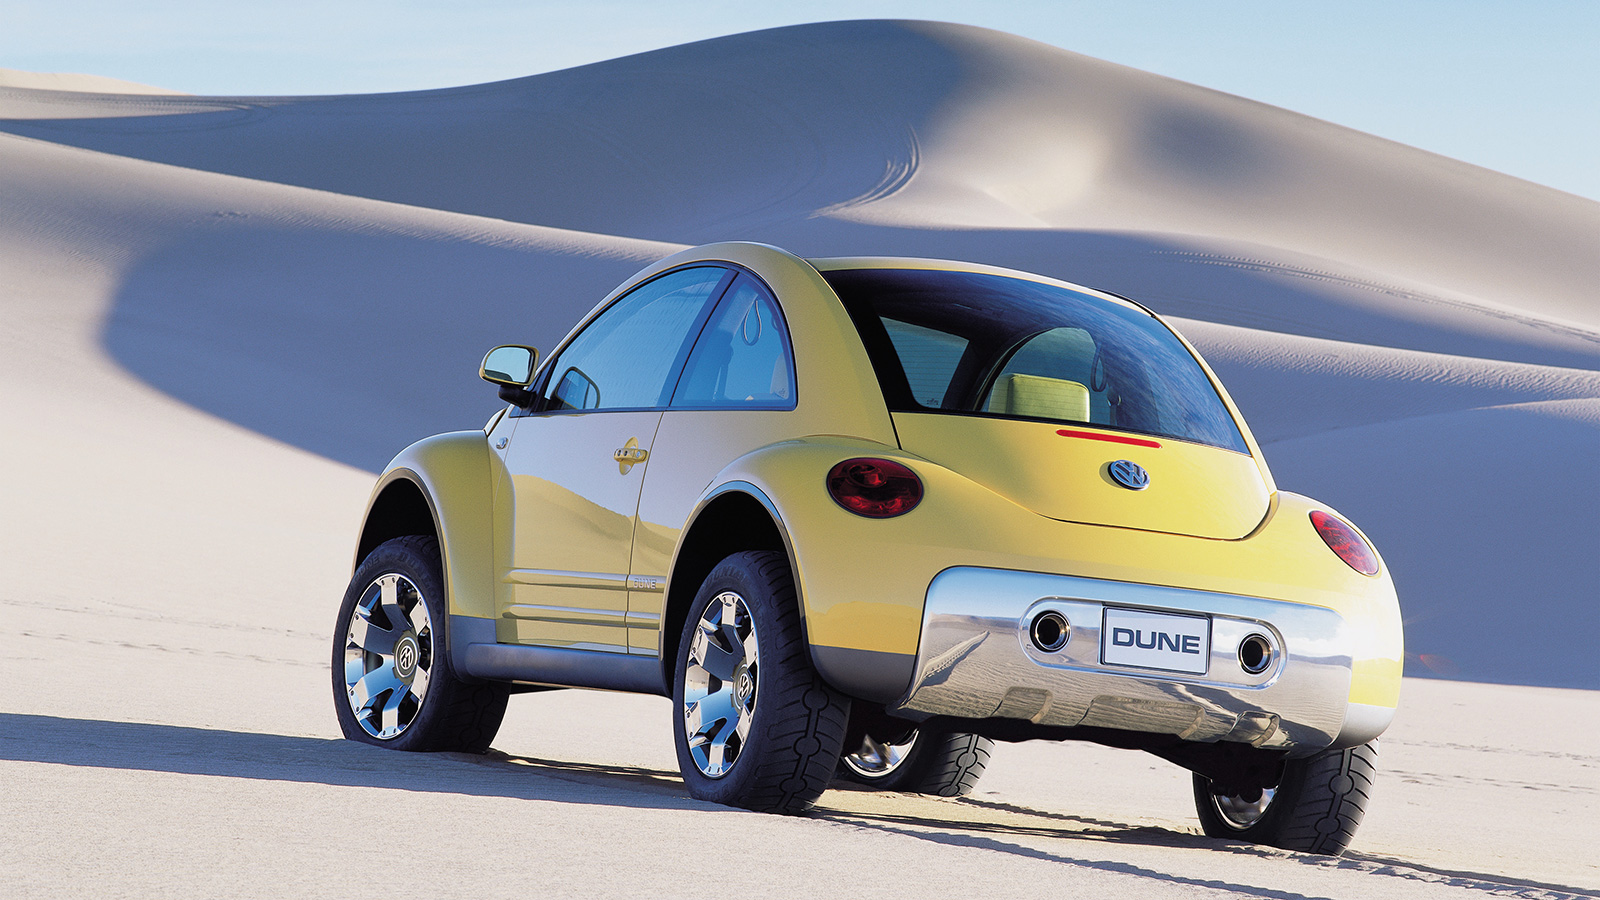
(1156, 641)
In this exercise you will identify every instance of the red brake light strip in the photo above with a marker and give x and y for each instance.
(1111, 438)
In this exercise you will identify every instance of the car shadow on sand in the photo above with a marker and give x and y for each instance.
(1046, 836)
(310, 760)
(969, 822)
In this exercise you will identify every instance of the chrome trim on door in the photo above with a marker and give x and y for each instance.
(562, 578)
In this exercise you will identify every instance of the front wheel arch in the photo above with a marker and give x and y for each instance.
(443, 486)
(399, 509)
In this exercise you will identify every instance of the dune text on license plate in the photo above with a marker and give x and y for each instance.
(1156, 641)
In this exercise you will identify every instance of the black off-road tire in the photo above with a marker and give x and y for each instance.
(940, 763)
(1317, 806)
(455, 714)
(797, 721)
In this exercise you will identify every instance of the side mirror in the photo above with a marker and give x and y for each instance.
(511, 366)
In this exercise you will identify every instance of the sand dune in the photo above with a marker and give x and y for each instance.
(69, 81)
(219, 315)
(911, 125)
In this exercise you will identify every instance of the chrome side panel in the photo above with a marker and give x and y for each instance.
(976, 661)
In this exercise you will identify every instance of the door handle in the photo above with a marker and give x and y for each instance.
(629, 455)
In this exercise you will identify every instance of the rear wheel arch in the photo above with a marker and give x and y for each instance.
(736, 518)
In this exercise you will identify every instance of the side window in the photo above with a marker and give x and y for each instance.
(742, 359)
(626, 357)
(929, 357)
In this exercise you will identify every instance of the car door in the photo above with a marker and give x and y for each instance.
(576, 464)
(736, 394)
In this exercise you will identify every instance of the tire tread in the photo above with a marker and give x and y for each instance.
(460, 716)
(800, 707)
(1313, 812)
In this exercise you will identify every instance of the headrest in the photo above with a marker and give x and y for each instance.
(1039, 397)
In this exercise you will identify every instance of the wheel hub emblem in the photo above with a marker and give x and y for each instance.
(743, 685)
(1129, 474)
(405, 657)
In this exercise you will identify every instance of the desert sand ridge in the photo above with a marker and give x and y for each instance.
(792, 131)
(69, 81)
(219, 316)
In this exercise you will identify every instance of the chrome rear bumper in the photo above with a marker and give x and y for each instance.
(976, 661)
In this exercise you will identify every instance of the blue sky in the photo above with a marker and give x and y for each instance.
(1509, 86)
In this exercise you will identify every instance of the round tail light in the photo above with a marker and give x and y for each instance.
(1345, 542)
(875, 488)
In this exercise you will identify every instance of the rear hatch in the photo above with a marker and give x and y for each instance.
(1063, 471)
(1046, 392)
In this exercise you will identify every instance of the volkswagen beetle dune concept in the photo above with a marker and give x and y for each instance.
(859, 518)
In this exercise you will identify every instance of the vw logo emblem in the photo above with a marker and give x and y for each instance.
(1129, 474)
(405, 656)
(744, 686)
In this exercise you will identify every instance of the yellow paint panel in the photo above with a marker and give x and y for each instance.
(1376, 682)
(864, 581)
(1194, 489)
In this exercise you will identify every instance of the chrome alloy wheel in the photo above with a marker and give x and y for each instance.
(388, 656)
(878, 758)
(721, 684)
(1240, 813)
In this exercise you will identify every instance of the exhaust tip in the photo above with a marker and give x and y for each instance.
(1049, 631)
(1255, 654)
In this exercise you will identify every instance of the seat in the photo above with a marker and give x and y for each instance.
(1039, 397)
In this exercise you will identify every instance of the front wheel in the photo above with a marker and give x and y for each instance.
(393, 682)
(941, 763)
(755, 726)
(1315, 807)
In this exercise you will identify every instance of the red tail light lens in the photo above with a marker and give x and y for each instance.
(1345, 543)
(875, 488)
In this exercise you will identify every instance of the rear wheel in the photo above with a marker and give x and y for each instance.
(1315, 807)
(393, 682)
(942, 763)
(756, 726)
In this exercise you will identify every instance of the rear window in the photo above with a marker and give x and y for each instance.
(987, 345)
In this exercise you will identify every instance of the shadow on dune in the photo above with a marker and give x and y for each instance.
(352, 345)
(348, 345)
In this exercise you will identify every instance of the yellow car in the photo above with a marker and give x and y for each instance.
(860, 517)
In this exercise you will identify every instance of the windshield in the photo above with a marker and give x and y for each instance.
(989, 345)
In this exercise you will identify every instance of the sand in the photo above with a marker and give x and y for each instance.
(220, 316)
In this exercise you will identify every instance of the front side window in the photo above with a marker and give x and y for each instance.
(742, 359)
(989, 345)
(626, 358)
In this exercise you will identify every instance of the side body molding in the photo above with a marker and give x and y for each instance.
(473, 647)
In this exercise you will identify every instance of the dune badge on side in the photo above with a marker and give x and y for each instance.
(1129, 474)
